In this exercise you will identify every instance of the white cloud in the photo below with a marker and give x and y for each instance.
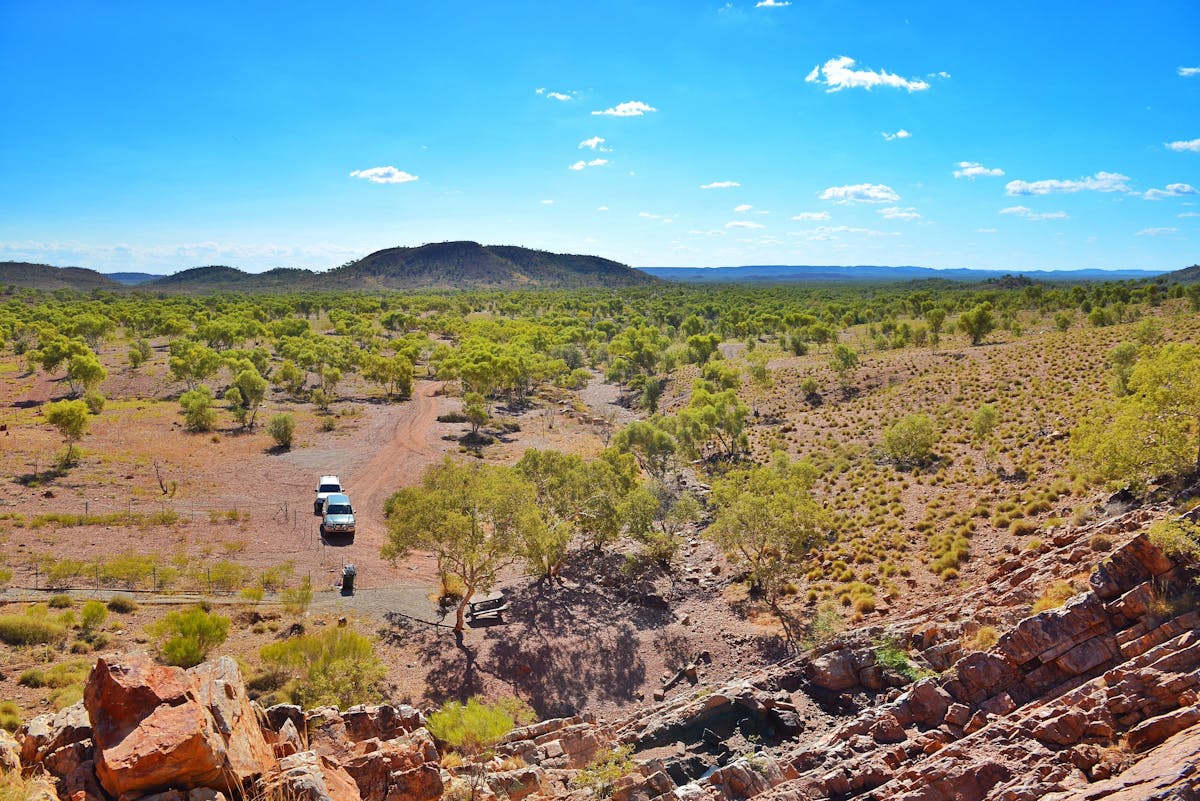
(744, 224)
(812, 215)
(602, 208)
(839, 74)
(547, 202)
(742, 209)
(720, 185)
(861, 193)
(773, 3)
(1172, 190)
(1100, 182)
(384, 175)
(973, 170)
(940, 74)
(595, 143)
(579, 165)
(1188, 214)
(900, 134)
(830, 232)
(663, 218)
(1156, 231)
(897, 213)
(1192, 145)
(1030, 214)
(561, 96)
(630, 108)
(1189, 72)
(987, 230)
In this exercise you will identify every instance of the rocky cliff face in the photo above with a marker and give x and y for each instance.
(1094, 700)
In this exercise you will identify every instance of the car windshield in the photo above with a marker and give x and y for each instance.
(329, 488)
(340, 509)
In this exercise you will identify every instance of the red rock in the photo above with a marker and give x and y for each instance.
(833, 671)
(308, 776)
(927, 702)
(172, 728)
(404, 767)
(47, 733)
(1151, 732)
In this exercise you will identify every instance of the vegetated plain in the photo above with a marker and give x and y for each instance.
(737, 469)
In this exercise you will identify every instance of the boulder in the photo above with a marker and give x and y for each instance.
(401, 768)
(10, 753)
(1150, 733)
(47, 733)
(927, 702)
(308, 776)
(157, 727)
(833, 671)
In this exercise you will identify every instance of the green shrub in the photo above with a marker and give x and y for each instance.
(61, 601)
(337, 667)
(1022, 528)
(185, 638)
(122, 604)
(296, 599)
(10, 720)
(252, 594)
(605, 769)
(30, 630)
(1178, 539)
(910, 441)
(64, 674)
(94, 401)
(474, 727)
(282, 427)
(92, 616)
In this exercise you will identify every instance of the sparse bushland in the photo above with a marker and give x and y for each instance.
(337, 667)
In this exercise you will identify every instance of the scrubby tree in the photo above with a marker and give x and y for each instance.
(983, 422)
(247, 394)
(191, 362)
(910, 440)
(473, 517)
(282, 428)
(1120, 364)
(650, 443)
(198, 414)
(1154, 430)
(71, 418)
(978, 322)
(843, 361)
(84, 372)
(766, 518)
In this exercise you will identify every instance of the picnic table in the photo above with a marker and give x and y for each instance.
(492, 605)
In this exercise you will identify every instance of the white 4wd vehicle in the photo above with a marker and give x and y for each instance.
(328, 485)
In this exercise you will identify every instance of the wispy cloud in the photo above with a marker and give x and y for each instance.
(579, 165)
(897, 213)
(664, 218)
(1029, 214)
(560, 96)
(720, 185)
(1183, 214)
(1179, 147)
(595, 143)
(900, 134)
(861, 193)
(1157, 231)
(547, 202)
(773, 3)
(1189, 72)
(832, 232)
(987, 230)
(1171, 190)
(1100, 182)
(813, 216)
(753, 226)
(973, 170)
(630, 108)
(839, 73)
(602, 208)
(742, 209)
(384, 175)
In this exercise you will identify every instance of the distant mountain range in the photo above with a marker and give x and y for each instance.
(469, 265)
(869, 274)
(443, 265)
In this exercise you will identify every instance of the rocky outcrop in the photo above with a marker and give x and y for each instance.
(157, 727)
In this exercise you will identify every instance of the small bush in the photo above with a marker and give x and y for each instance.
(30, 630)
(295, 600)
(92, 616)
(1022, 528)
(185, 638)
(64, 674)
(1180, 540)
(1100, 543)
(985, 638)
(94, 401)
(910, 441)
(253, 594)
(1055, 596)
(61, 601)
(337, 667)
(122, 604)
(10, 720)
(605, 769)
(282, 428)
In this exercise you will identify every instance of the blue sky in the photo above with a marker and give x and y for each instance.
(1023, 135)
